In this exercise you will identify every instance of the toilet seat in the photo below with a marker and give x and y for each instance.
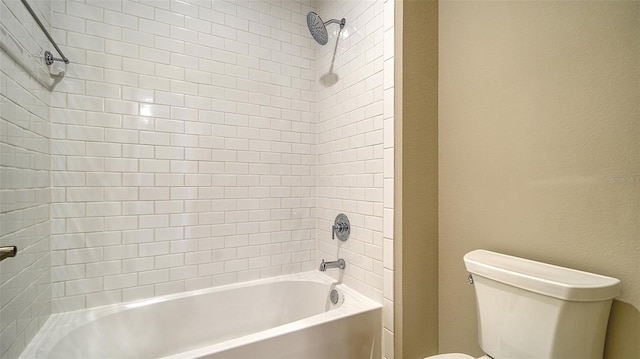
(451, 356)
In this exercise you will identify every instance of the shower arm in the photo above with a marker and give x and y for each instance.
(334, 21)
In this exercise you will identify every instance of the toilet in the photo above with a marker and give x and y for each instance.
(532, 310)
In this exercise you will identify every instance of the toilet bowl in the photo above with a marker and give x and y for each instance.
(564, 311)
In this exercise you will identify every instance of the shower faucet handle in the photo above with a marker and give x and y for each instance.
(341, 228)
(335, 229)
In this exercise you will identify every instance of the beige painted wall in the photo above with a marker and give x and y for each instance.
(539, 149)
(416, 179)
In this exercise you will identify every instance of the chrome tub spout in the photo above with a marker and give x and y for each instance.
(340, 263)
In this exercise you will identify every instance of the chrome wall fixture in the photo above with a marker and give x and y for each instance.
(7, 252)
(48, 56)
(318, 28)
(341, 227)
(340, 263)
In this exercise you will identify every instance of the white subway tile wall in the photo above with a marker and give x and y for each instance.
(355, 147)
(388, 155)
(25, 280)
(183, 147)
(350, 141)
(388, 192)
(200, 143)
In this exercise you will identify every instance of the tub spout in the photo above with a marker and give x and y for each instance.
(340, 263)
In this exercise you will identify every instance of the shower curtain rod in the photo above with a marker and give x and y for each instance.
(48, 57)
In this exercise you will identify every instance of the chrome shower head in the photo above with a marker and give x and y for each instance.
(318, 28)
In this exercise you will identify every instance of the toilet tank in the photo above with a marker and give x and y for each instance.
(529, 309)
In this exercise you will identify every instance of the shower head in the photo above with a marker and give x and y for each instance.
(318, 29)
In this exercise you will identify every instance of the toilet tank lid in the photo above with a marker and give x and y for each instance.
(542, 278)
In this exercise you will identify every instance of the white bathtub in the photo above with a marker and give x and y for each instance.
(284, 317)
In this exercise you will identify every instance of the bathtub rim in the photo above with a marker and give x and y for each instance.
(61, 324)
(356, 304)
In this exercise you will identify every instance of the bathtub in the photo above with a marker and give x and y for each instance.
(284, 317)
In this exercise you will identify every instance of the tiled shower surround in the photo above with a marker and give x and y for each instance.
(198, 143)
(183, 147)
(25, 188)
(355, 147)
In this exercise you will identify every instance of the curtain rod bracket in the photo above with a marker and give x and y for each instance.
(48, 59)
